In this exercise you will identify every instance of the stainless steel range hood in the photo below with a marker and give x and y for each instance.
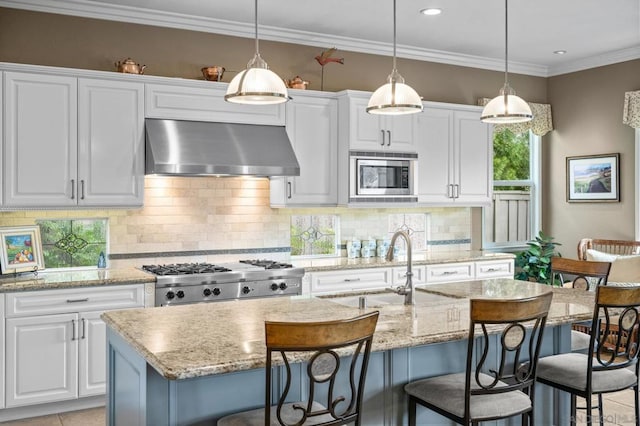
(194, 148)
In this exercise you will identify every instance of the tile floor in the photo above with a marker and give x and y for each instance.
(618, 411)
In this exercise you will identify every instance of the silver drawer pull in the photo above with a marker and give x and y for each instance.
(86, 299)
(348, 280)
(84, 325)
(492, 270)
(449, 272)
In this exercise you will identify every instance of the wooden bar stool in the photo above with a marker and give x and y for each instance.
(330, 348)
(603, 368)
(488, 391)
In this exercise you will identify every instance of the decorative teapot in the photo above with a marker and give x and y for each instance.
(213, 73)
(297, 83)
(129, 66)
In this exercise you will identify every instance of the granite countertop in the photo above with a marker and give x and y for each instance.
(54, 280)
(339, 263)
(172, 340)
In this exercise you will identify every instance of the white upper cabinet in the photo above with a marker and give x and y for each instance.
(371, 132)
(111, 143)
(72, 142)
(454, 157)
(178, 102)
(40, 139)
(312, 127)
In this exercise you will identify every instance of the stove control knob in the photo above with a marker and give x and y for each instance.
(274, 286)
(180, 294)
(246, 290)
(170, 295)
(283, 286)
(206, 292)
(216, 291)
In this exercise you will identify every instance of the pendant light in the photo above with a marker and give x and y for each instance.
(257, 85)
(506, 107)
(394, 97)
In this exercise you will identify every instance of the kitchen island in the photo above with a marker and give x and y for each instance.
(193, 364)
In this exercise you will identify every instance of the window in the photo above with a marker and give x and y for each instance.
(313, 235)
(514, 215)
(73, 243)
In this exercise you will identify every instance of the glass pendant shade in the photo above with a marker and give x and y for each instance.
(394, 98)
(506, 108)
(257, 85)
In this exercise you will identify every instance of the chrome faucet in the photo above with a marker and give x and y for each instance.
(407, 290)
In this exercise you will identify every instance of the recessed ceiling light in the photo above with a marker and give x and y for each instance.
(559, 52)
(431, 11)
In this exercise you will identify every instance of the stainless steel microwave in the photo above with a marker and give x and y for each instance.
(383, 176)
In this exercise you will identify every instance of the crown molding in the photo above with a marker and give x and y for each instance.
(608, 58)
(112, 12)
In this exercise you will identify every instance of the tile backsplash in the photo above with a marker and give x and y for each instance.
(209, 214)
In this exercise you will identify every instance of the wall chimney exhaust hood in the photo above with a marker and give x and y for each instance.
(196, 148)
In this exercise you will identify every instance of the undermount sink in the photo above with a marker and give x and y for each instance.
(388, 298)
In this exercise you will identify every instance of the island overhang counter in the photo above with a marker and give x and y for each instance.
(192, 364)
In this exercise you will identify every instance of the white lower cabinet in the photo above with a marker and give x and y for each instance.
(503, 268)
(449, 272)
(349, 280)
(55, 342)
(400, 275)
(42, 359)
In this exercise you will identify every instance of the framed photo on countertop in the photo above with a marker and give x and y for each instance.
(593, 178)
(20, 249)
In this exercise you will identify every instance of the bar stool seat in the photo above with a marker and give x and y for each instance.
(445, 391)
(570, 370)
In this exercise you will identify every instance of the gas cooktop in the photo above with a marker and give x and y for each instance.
(182, 283)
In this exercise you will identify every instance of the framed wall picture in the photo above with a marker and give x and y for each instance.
(20, 249)
(593, 178)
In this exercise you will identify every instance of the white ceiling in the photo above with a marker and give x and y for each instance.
(468, 32)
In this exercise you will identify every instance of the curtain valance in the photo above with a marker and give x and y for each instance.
(540, 125)
(631, 111)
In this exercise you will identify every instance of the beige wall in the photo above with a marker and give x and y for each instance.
(67, 41)
(587, 114)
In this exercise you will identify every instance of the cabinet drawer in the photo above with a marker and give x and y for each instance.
(494, 269)
(74, 300)
(449, 272)
(206, 104)
(353, 279)
(400, 277)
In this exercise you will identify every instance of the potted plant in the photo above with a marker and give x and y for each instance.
(534, 264)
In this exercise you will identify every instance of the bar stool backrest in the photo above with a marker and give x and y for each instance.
(520, 324)
(324, 346)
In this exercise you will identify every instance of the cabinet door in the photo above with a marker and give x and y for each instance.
(206, 103)
(503, 268)
(348, 280)
(312, 126)
(42, 361)
(449, 272)
(365, 129)
(474, 168)
(435, 156)
(401, 132)
(40, 137)
(92, 354)
(111, 143)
